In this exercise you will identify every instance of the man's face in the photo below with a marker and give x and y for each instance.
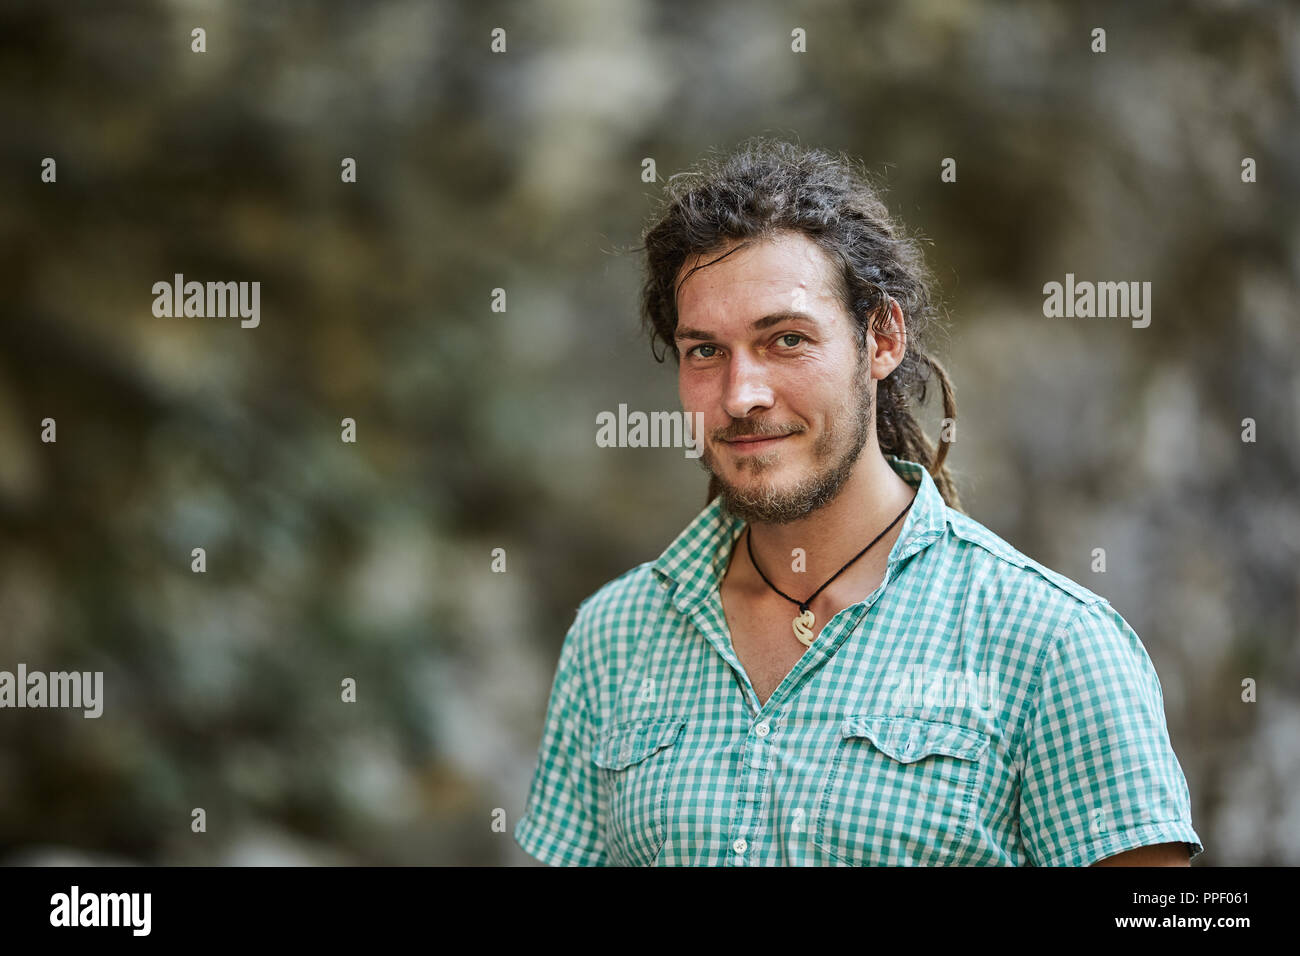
(768, 350)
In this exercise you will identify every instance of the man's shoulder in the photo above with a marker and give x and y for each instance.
(610, 621)
(625, 598)
(1015, 567)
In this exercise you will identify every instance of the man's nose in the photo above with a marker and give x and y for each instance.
(747, 387)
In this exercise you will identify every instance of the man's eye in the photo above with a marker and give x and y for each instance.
(695, 351)
(791, 335)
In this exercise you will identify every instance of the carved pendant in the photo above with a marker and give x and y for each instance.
(803, 627)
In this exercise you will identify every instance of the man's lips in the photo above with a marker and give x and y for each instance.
(747, 443)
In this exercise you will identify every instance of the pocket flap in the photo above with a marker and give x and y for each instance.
(908, 739)
(631, 742)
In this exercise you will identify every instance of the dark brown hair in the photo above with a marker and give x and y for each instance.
(768, 186)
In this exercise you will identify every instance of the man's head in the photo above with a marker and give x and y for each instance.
(767, 348)
(793, 307)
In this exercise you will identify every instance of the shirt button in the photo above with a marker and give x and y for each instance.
(740, 846)
(761, 729)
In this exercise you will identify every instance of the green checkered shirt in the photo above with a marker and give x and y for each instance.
(976, 708)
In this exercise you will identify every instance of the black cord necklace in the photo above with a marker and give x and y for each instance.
(804, 622)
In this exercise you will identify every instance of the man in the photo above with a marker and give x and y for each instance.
(832, 664)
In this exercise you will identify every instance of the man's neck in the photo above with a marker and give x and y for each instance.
(832, 535)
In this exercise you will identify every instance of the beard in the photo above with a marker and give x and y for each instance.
(835, 453)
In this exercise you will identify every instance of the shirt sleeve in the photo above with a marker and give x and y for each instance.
(561, 821)
(1099, 775)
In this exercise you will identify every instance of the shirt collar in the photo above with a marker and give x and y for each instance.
(697, 559)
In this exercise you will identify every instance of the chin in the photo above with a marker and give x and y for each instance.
(762, 484)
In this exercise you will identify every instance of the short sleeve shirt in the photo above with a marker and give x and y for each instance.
(976, 708)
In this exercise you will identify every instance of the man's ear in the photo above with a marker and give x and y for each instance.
(890, 338)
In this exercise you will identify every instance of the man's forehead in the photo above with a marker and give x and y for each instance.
(788, 271)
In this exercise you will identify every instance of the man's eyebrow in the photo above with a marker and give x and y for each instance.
(767, 321)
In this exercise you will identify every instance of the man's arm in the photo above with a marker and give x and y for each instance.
(561, 823)
(1099, 777)
(1159, 854)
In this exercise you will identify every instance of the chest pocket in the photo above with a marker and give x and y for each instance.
(900, 792)
(636, 760)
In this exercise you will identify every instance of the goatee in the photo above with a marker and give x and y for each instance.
(762, 503)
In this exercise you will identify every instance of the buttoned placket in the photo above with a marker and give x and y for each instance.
(758, 751)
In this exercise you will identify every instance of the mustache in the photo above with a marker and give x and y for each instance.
(756, 428)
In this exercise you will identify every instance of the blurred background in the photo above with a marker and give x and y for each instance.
(476, 429)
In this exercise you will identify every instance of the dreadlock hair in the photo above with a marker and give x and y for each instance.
(767, 186)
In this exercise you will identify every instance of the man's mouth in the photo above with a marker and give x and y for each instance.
(755, 443)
